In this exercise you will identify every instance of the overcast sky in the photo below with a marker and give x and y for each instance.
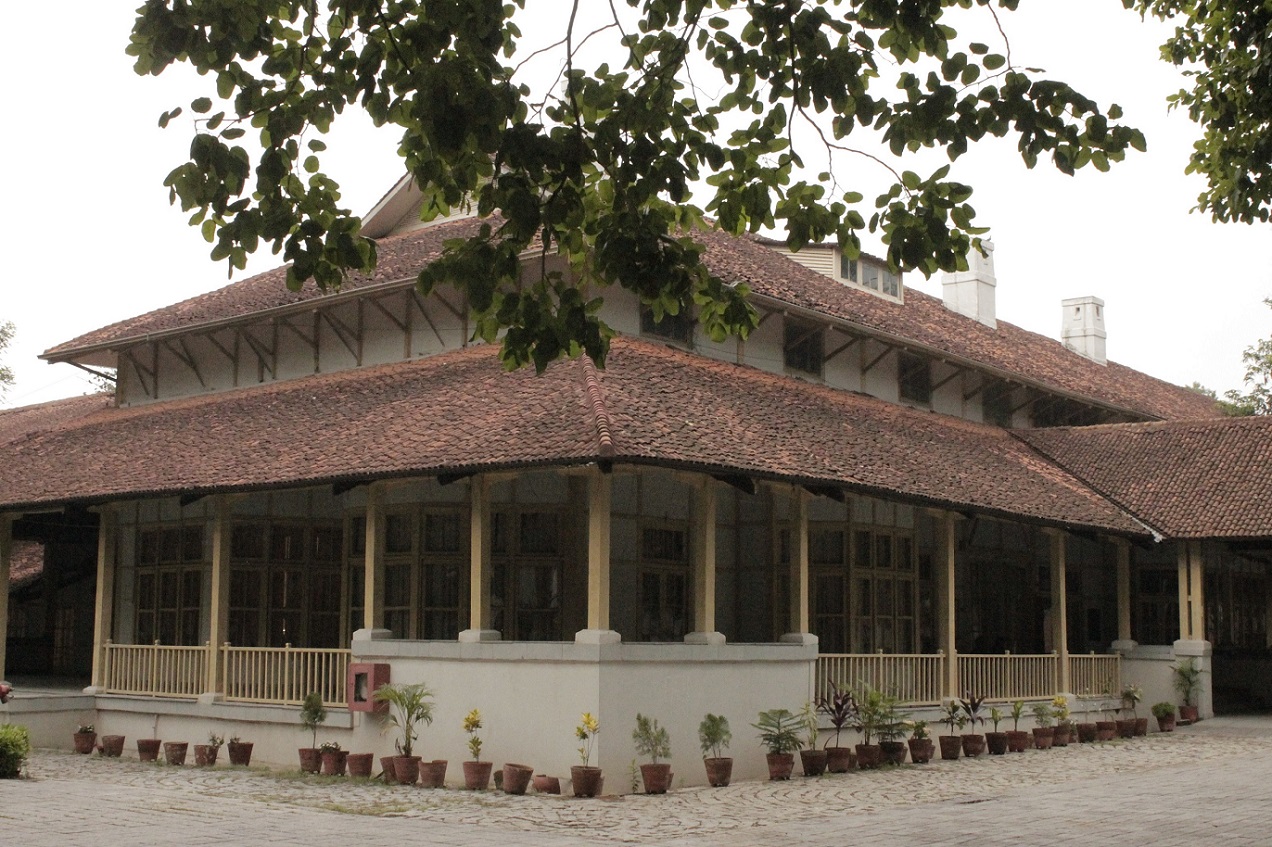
(91, 238)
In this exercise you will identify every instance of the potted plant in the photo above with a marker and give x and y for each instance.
(112, 746)
(205, 754)
(996, 741)
(1063, 729)
(15, 747)
(1106, 729)
(85, 739)
(973, 742)
(1017, 739)
(586, 780)
(476, 772)
(953, 717)
(1165, 714)
(812, 758)
(1131, 696)
(920, 743)
(840, 709)
(1086, 729)
(174, 752)
(1043, 733)
(409, 706)
(872, 712)
(333, 759)
(240, 751)
(653, 741)
(714, 737)
(1187, 679)
(147, 749)
(313, 714)
(779, 733)
(892, 731)
(360, 764)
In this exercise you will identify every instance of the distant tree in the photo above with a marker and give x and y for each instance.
(1258, 379)
(7, 331)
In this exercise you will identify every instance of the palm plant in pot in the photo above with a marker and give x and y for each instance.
(653, 741)
(313, 714)
(812, 758)
(872, 712)
(996, 741)
(779, 733)
(476, 772)
(1017, 739)
(1165, 714)
(973, 742)
(953, 717)
(714, 737)
(1187, 680)
(1131, 696)
(409, 706)
(840, 709)
(586, 780)
(920, 743)
(1044, 733)
(1064, 727)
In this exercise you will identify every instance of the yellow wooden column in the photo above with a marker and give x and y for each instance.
(104, 609)
(480, 613)
(6, 555)
(800, 627)
(1059, 609)
(1185, 592)
(373, 581)
(599, 501)
(219, 605)
(946, 629)
(1125, 641)
(703, 535)
(1197, 581)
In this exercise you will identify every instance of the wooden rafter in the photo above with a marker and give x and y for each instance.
(957, 373)
(876, 360)
(980, 386)
(141, 371)
(225, 351)
(852, 341)
(184, 356)
(419, 302)
(388, 314)
(348, 337)
(454, 310)
(263, 355)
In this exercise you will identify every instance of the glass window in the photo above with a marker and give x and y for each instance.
(399, 534)
(914, 375)
(847, 268)
(677, 327)
(802, 347)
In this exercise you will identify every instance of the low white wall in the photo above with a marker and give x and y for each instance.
(51, 719)
(1152, 668)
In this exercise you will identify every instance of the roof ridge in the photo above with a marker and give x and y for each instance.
(600, 413)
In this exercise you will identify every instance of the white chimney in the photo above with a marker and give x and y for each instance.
(1082, 329)
(971, 292)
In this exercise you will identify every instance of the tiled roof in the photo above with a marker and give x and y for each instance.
(460, 412)
(1187, 479)
(922, 319)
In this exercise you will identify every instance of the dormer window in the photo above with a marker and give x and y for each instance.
(802, 347)
(914, 378)
(870, 275)
(677, 328)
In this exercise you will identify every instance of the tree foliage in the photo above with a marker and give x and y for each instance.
(1257, 400)
(7, 331)
(667, 116)
(1225, 47)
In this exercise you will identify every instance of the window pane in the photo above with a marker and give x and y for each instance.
(666, 545)
(883, 551)
(192, 543)
(442, 533)
(327, 541)
(397, 585)
(538, 533)
(170, 544)
(357, 536)
(247, 541)
(862, 546)
(677, 327)
(399, 534)
(287, 543)
(148, 547)
(826, 547)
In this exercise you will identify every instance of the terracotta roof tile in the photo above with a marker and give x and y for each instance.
(1188, 479)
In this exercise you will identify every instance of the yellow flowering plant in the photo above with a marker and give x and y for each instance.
(472, 723)
(586, 732)
(1060, 708)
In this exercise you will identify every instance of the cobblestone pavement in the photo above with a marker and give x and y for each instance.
(1209, 784)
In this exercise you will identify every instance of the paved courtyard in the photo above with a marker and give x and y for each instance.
(1204, 785)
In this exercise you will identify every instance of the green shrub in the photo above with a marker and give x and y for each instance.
(15, 745)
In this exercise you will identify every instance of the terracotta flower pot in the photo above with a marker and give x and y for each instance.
(719, 771)
(334, 762)
(477, 775)
(951, 747)
(406, 769)
(112, 746)
(516, 778)
(840, 759)
(240, 753)
(893, 752)
(1189, 714)
(310, 759)
(586, 782)
(360, 764)
(148, 749)
(869, 756)
(996, 743)
(388, 770)
(175, 752)
(1060, 736)
(85, 742)
(780, 765)
(1017, 741)
(656, 778)
(1105, 730)
(973, 745)
(813, 762)
(205, 755)
(1043, 736)
(1141, 726)
(433, 774)
(1086, 733)
(1166, 724)
(1126, 728)
(544, 784)
(921, 750)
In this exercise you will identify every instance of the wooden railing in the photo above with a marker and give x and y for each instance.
(1007, 676)
(1091, 675)
(156, 670)
(914, 678)
(283, 674)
